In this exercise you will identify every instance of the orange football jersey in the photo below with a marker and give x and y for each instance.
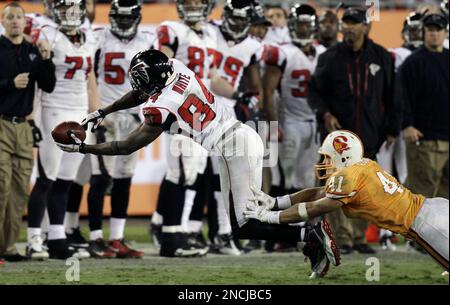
(370, 193)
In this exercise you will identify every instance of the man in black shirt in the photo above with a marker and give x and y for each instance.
(22, 65)
(353, 88)
(424, 89)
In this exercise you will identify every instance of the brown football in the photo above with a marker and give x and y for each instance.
(61, 132)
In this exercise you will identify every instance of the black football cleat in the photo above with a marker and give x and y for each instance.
(76, 239)
(320, 263)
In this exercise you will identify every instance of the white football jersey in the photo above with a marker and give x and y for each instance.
(188, 102)
(191, 46)
(113, 60)
(277, 35)
(400, 56)
(231, 59)
(73, 64)
(297, 69)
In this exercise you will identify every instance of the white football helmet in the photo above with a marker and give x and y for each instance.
(341, 148)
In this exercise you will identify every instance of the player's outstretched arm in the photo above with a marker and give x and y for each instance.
(286, 201)
(308, 210)
(129, 100)
(139, 138)
(306, 195)
(297, 213)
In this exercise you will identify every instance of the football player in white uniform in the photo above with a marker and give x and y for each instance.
(189, 40)
(75, 93)
(117, 46)
(177, 100)
(290, 67)
(235, 57)
(35, 22)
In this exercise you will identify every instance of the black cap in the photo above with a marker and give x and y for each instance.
(438, 20)
(355, 14)
(260, 20)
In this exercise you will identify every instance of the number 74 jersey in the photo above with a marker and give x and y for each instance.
(370, 193)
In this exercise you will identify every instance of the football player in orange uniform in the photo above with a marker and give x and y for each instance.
(363, 190)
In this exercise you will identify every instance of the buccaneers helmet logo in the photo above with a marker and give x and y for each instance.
(340, 144)
(139, 73)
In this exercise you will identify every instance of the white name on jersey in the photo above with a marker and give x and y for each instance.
(194, 107)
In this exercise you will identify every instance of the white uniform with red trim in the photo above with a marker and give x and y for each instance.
(112, 61)
(210, 123)
(231, 59)
(191, 48)
(277, 35)
(298, 151)
(68, 101)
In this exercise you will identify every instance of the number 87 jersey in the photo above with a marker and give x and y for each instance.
(187, 102)
(112, 61)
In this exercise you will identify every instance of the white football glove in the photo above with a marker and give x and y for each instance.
(260, 213)
(71, 148)
(265, 200)
(96, 118)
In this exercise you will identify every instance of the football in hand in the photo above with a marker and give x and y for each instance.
(61, 132)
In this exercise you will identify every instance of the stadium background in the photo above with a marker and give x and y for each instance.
(151, 165)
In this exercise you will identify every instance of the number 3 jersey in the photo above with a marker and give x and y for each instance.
(73, 62)
(297, 69)
(370, 193)
(189, 103)
(112, 61)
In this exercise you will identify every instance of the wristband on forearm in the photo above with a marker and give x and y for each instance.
(302, 212)
(115, 147)
(284, 202)
(273, 217)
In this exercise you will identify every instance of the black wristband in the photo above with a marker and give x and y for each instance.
(81, 149)
(115, 147)
(102, 112)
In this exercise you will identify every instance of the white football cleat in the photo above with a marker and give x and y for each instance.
(35, 250)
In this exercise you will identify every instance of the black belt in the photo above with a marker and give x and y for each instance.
(13, 119)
